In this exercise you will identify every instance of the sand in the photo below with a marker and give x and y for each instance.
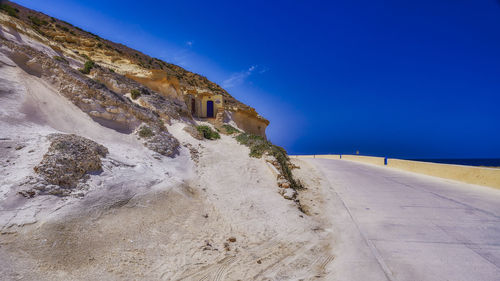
(210, 213)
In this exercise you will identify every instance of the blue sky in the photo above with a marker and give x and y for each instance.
(410, 79)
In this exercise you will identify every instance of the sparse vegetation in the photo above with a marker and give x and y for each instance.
(207, 132)
(87, 67)
(230, 129)
(13, 12)
(37, 21)
(61, 59)
(259, 145)
(135, 94)
(145, 132)
(64, 28)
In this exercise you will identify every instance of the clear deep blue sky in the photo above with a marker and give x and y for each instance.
(413, 79)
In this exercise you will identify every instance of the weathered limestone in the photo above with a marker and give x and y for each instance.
(68, 160)
(159, 141)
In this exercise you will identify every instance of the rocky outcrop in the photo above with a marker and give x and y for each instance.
(249, 121)
(159, 81)
(284, 185)
(69, 159)
(170, 81)
(107, 107)
(159, 141)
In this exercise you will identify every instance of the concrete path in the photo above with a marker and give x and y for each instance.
(415, 227)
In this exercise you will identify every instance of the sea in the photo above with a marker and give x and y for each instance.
(484, 162)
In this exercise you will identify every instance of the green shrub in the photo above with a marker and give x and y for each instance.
(145, 132)
(259, 145)
(207, 132)
(61, 59)
(13, 12)
(87, 67)
(135, 94)
(62, 27)
(230, 129)
(37, 21)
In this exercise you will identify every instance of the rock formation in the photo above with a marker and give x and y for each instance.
(67, 161)
(106, 175)
(171, 82)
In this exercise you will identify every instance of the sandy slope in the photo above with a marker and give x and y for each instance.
(144, 217)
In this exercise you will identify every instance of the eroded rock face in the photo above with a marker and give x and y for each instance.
(168, 83)
(108, 108)
(159, 141)
(249, 121)
(69, 159)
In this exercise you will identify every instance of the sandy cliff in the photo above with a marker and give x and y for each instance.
(95, 184)
(167, 79)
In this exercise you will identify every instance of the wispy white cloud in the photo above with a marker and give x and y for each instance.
(239, 78)
(263, 70)
(189, 43)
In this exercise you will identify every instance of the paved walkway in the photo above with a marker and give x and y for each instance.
(419, 227)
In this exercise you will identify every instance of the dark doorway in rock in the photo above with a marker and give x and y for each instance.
(210, 109)
(193, 106)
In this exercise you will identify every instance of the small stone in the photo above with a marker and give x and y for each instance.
(289, 194)
(232, 239)
(281, 181)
